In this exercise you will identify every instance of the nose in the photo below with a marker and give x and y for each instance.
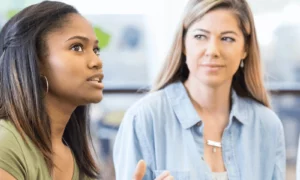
(95, 62)
(212, 48)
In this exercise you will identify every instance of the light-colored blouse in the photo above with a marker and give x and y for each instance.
(165, 130)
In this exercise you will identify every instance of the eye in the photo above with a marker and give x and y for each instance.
(77, 47)
(200, 37)
(97, 51)
(228, 39)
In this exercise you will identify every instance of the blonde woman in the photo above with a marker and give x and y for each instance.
(208, 116)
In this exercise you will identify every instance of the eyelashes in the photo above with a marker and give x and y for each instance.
(97, 51)
(228, 39)
(78, 47)
(200, 37)
(203, 37)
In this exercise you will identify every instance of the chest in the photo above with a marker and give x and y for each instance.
(243, 155)
(64, 166)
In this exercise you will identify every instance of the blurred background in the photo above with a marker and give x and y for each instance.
(135, 36)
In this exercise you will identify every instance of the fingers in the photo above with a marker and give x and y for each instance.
(165, 176)
(169, 178)
(140, 170)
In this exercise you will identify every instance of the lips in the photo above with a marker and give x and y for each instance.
(213, 65)
(97, 78)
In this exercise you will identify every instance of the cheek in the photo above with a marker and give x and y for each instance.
(191, 64)
(63, 70)
(193, 59)
(232, 68)
(194, 48)
(233, 59)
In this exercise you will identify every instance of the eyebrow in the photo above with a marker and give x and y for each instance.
(224, 32)
(81, 38)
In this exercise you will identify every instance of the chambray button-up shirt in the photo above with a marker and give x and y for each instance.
(164, 129)
(298, 162)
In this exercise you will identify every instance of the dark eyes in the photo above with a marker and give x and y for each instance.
(97, 51)
(79, 48)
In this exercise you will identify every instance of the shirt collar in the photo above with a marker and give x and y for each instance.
(186, 113)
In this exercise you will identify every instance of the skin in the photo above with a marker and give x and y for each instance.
(214, 48)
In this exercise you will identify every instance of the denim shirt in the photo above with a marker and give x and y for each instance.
(298, 162)
(164, 129)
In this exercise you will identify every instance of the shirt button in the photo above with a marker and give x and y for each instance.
(229, 158)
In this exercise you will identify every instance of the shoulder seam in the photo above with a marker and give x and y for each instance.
(8, 130)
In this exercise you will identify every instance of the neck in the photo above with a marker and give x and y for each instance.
(211, 103)
(59, 114)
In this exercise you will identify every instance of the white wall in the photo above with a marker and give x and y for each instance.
(161, 20)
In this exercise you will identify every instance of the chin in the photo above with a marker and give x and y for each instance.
(93, 98)
(212, 82)
(97, 99)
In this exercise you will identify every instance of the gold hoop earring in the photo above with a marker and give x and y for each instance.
(46, 83)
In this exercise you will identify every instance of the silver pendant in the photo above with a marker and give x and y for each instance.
(214, 143)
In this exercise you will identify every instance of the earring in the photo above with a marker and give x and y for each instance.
(242, 64)
(46, 83)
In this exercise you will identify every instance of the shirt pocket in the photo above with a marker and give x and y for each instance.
(178, 175)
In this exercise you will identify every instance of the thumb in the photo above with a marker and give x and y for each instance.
(140, 170)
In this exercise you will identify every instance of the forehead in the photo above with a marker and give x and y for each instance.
(217, 20)
(76, 25)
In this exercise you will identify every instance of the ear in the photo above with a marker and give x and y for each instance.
(245, 55)
(42, 66)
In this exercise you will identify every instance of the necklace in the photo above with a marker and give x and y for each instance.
(214, 144)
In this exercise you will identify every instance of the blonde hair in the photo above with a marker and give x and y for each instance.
(247, 82)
